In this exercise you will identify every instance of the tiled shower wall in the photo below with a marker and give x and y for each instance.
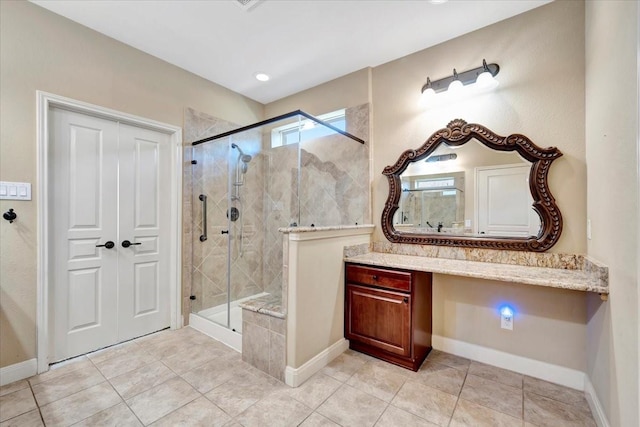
(335, 182)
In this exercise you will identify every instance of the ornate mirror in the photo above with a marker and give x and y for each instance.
(467, 186)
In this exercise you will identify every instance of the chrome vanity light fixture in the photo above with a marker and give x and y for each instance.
(476, 80)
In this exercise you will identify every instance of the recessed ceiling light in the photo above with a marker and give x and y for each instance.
(262, 77)
(438, 1)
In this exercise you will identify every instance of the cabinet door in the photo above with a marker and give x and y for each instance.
(379, 318)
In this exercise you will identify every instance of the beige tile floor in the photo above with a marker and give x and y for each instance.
(184, 378)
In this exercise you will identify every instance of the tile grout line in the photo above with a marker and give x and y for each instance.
(36, 402)
(123, 399)
(466, 374)
(382, 413)
(522, 409)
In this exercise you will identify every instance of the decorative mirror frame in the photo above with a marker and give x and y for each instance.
(459, 132)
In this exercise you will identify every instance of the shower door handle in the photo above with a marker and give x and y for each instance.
(203, 199)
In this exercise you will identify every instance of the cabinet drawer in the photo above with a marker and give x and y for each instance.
(391, 279)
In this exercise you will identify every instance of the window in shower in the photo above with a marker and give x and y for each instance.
(305, 129)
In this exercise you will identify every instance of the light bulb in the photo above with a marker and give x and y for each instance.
(428, 97)
(455, 86)
(486, 81)
(455, 90)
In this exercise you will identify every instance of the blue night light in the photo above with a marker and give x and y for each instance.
(506, 312)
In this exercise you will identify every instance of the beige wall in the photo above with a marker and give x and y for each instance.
(541, 94)
(613, 203)
(315, 316)
(43, 51)
(347, 91)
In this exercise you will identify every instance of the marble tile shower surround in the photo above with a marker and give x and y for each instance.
(334, 190)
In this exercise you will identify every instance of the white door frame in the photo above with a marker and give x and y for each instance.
(44, 101)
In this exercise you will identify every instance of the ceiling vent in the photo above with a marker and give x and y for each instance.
(247, 4)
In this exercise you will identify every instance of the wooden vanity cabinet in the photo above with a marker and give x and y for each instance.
(388, 313)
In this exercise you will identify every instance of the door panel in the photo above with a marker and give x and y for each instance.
(146, 285)
(144, 218)
(109, 182)
(85, 180)
(83, 214)
(84, 288)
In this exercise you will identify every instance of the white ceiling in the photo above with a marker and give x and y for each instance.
(299, 43)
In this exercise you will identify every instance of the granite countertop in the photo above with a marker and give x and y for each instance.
(574, 279)
(268, 304)
(306, 229)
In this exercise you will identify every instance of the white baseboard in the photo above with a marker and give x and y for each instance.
(217, 332)
(597, 410)
(18, 371)
(294, 377)
(534, 368)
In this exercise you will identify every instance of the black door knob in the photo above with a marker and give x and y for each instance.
(108, 245)
(126, 244)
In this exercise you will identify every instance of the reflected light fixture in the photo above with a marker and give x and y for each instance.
(262, 77)
(441, 158)
(477, 80)
(308, 125)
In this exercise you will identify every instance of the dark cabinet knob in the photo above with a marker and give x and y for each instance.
(108, 245)
(126, 244)
(405, 299)
(375, 277)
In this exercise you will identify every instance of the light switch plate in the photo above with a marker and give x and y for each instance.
(15, 190)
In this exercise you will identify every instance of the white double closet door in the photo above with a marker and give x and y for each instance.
(108, 182)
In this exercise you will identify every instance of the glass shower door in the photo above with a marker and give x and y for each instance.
(210, 242)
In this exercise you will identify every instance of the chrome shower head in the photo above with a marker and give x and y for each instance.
(244, 167)
(245, 158)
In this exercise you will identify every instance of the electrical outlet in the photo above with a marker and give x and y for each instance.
(506, 319)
